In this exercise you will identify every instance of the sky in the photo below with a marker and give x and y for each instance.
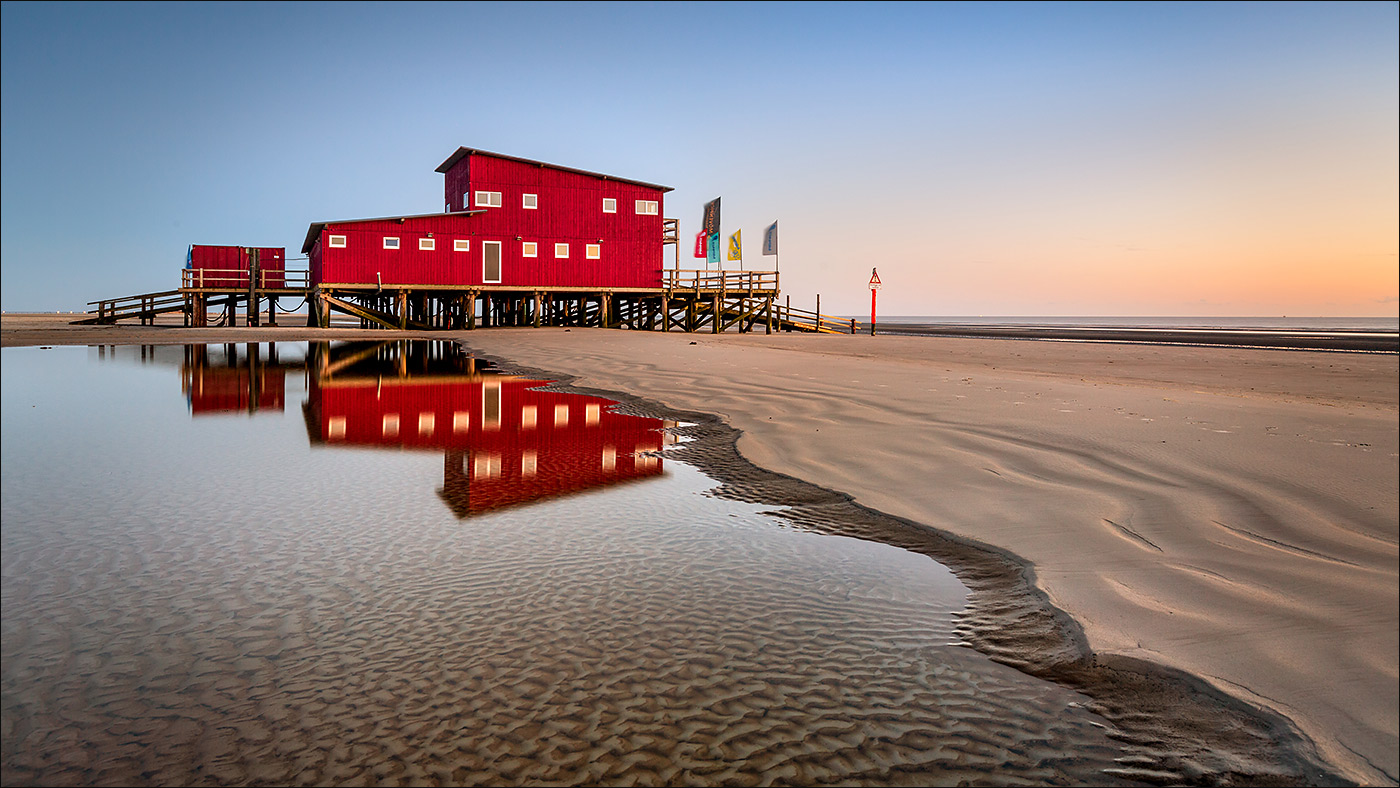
(1015, 159)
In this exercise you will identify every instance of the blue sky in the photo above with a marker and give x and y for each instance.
(997, 159)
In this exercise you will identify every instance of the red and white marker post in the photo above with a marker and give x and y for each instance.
(874, 285)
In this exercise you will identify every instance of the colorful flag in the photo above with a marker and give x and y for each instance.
(770, 239)
(736, 251)
(712, 252)
(711, 222)
(700, 245)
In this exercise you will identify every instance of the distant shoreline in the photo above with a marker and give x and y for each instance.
(1340, 339)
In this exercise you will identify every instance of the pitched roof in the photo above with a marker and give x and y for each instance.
(314, 231)
(461, 152)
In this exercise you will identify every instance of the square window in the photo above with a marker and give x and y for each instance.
(561, 250)
(593, 251)
(529, 249)
(391, 243)
(488, 199)
(426, 244)
(529, 201)
(609, 205)
(461, 245)
(337, 241)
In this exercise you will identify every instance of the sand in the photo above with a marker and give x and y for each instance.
(1230, 513)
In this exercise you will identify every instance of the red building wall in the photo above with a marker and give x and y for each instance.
(227, 259)
(569, 210)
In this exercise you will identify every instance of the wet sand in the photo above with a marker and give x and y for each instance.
(1227, 513)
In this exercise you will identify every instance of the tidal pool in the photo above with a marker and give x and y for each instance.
(387, 563)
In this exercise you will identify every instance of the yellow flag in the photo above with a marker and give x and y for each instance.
(734, 247)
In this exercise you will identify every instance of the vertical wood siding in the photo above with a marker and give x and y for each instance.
(271, 260)
(570, 210)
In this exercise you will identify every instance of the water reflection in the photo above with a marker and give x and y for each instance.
(504, 441)
(204, 600)
(216, 379)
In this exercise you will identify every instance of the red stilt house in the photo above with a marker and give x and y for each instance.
(509, 223)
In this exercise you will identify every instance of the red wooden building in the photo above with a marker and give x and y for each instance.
(508, 223)
(519, 242)
(504, 441)
(229, 266)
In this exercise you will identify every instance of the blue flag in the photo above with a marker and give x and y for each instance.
(712, 251)
(770, 239)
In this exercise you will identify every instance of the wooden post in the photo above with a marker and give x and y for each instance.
(272, 310)
(819, 313)
(768, 312)
(471, 310)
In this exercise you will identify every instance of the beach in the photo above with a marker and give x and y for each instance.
(1230, 513)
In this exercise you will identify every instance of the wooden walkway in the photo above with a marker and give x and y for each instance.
(688, 300)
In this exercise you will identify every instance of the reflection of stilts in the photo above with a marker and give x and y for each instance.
(248, 384)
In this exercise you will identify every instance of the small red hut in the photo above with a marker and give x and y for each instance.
(228, 266)
(509, 223)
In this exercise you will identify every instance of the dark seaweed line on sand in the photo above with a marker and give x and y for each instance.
(1203, 739)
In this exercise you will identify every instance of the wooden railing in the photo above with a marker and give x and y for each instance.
(145, 306)
(224, 278)
(807, 320)
(730, 281)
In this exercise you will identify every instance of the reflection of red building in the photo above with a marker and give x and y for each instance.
(505, 441)
(219, 381)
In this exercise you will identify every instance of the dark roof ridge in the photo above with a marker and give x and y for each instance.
(461, 152)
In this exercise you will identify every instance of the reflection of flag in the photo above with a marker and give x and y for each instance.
(712, 252)
(700, 244)
(711, 223)
(735, 247)
(770, 239)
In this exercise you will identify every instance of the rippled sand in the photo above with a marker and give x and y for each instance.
(520, 650)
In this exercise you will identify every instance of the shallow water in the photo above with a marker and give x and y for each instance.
(385, 564)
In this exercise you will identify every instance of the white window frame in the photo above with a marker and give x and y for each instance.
(529, 249)
(427, 244)
(462, 245)
(336, 242)
(647, 207)
(609, 205)
(563, 256)
(530, 202)
(394, 245)
(488, 199)
(593, 251)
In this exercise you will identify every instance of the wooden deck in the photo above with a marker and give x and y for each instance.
(688, 300)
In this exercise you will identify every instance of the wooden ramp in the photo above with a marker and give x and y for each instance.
(145, 306)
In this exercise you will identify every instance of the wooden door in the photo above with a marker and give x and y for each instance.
(491, 262)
